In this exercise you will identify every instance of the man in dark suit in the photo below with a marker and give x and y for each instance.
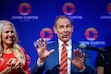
(49, 55)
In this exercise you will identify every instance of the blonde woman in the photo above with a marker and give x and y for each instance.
(12, 55)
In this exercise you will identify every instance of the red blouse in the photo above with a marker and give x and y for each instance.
(6, 57)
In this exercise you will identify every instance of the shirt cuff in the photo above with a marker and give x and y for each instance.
(39, 64)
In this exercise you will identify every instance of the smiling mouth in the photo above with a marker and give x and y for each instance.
(65, 36)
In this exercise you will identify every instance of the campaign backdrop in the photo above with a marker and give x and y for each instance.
(35, 18)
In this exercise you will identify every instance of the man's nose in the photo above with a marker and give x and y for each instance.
(65, 29)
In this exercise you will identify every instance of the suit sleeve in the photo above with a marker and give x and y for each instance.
(35, 69)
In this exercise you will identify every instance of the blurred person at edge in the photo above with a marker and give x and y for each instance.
(79, 61)
(103, 61)
(12, 55)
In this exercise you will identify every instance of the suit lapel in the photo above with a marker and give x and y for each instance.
(57, 53)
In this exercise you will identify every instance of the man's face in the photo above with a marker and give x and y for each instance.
(63, 29)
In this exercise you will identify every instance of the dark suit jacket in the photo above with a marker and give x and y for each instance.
(51, 65)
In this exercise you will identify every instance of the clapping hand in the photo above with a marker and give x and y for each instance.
(12, 64)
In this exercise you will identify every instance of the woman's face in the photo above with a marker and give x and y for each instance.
(8, 35)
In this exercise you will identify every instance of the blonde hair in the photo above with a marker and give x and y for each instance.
(19, 54)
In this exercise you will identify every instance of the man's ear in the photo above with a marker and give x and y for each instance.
(55, 29)
(72, 28)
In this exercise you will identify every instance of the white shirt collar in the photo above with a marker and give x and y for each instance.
(68, 43)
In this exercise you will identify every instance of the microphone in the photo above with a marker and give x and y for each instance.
(83, 46)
